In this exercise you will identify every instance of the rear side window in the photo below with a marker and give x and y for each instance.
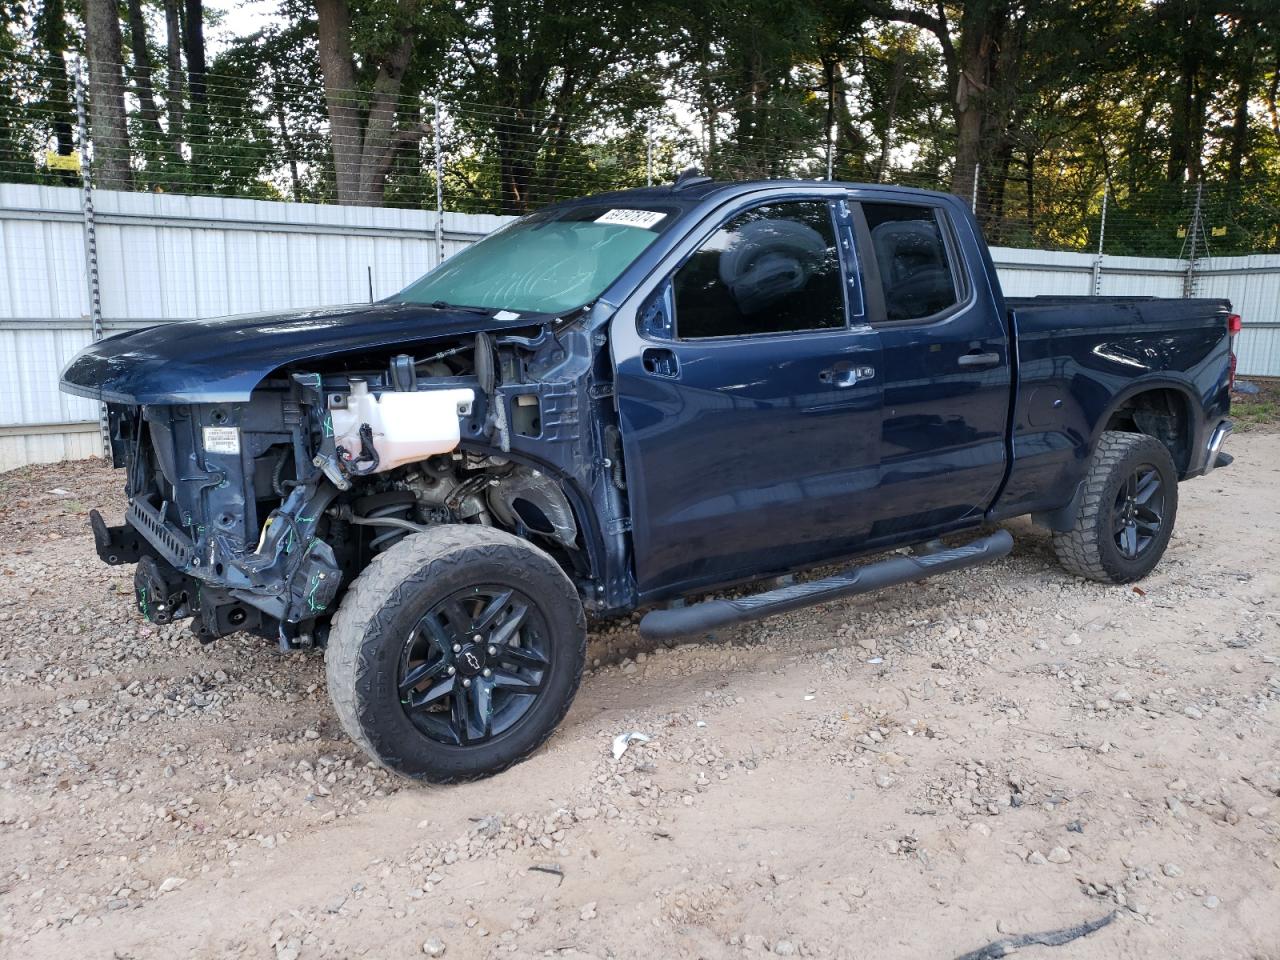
(773, 269)
(916, 274)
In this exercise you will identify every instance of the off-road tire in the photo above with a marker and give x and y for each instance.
(1089, 549)
(379, 611)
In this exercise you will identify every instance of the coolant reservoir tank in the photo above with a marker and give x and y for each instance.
(407, 426)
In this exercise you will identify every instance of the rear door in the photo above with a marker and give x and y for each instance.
(749, 400)
(946, 370)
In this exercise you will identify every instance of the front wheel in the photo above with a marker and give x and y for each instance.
(1126, 512)
(456, 653)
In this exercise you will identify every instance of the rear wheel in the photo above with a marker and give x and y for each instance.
(456, 653)
(1126, 512)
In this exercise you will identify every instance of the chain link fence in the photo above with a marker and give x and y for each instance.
(267, 137)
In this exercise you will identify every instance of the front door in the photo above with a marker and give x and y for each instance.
(750, 402)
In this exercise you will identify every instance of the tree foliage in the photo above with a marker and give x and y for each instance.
(1033, 107)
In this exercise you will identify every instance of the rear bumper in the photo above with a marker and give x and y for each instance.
(1214, 454)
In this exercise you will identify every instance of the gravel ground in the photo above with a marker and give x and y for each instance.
(915, 773)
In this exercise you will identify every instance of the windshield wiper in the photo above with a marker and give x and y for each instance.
(446, 305)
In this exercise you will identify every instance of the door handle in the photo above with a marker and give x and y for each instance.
(846, 374)
(979, 360)
(660, 362)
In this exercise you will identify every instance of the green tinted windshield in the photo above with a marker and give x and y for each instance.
(548, 262)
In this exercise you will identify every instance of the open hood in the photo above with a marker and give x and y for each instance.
(222, 360)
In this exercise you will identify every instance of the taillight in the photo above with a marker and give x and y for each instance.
(1234, 326)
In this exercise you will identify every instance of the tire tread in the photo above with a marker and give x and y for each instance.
(385, 584)
(1080, 549)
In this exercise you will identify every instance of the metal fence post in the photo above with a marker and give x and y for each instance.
(830, 152)
(973, 201)
(1102, 233)
(1189, 281)
(435, 126)
(92, 278)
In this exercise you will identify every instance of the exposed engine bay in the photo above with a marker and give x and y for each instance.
(257, 515)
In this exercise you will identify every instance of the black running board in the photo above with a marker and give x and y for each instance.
(711, 614)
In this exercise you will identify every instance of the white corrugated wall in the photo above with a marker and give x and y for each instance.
(168, 257)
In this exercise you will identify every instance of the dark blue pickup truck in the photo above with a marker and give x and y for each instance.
(623, 400)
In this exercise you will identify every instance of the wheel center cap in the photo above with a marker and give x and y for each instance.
(471, 659)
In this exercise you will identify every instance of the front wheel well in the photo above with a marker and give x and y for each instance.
(1162, 413)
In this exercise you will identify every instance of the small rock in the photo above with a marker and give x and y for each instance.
(1192, 712)
(883, 780)
(1059, 855)
(784, 948)
(588, 911)
(1171, 870)
(170, 884)
(1258, 810)
(1211, 902)
(1122, 696)
(434, 947)
(289, 949)
(80, 706)
(1036, 857)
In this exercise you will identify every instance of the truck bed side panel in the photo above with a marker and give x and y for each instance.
(1079, 360)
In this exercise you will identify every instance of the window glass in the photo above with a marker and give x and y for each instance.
(915, 274)
(551, 261)
(772, 269)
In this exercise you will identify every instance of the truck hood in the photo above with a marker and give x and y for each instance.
(224, 359)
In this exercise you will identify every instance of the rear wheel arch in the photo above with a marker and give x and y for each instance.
(1166, 410)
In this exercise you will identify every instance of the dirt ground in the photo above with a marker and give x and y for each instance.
(910, 774)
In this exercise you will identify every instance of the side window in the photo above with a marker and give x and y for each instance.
(916, 275)
(772, 269)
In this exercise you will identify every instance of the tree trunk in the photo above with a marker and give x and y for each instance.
(381, 138)
(847, 131)
(51, 28)
(143, 87)
(363, 147)
(1273, 89)
(110, 134)
(1031, 192)
(896, 83)
(173, 47)
(195, 53)
(1239, 149)
(333, 22)
(982, 27)
(286, 137)
(709, 112)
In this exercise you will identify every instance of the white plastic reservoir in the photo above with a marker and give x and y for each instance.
(407, 426)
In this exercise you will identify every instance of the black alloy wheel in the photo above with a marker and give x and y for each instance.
(474, 665)
(1138, 513)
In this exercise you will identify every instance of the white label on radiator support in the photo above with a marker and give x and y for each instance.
(222, 440)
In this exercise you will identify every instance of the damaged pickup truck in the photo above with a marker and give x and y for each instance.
(623, 400)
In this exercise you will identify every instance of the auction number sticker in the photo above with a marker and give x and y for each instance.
(632, 218)
(222, 439)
